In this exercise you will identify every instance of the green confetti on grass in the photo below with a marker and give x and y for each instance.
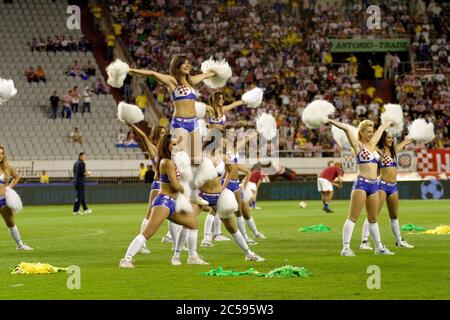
(412, 227)
(219, 272)
(287, 271)
(315, 228)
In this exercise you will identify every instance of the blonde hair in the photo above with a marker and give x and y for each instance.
(4, 165)
(363, 125)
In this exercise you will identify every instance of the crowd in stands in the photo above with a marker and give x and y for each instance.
(70, 103)
(76, 70)
(35, 75)
(126, 140)
(283, 48)
(60, 43)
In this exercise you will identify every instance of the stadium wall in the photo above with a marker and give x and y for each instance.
(135, 193)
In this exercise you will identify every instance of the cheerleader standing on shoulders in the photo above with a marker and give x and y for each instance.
(216, 110)
(181, 86)
(7, 172)
(163, 207)
(387, 188)
(365, 187)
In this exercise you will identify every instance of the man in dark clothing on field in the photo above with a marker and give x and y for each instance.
(79, 181)
(149, 175)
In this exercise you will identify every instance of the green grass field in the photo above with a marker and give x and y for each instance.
(96, 243)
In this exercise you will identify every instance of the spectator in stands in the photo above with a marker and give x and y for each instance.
(97, 12)
(84, 45)
(395, 65)
(31, 77)
(141, 101)
(54, 102)
(388, 62)
(74, 69)
(149, 175)
(40, 75)
(66, 110)
(57, 44)
(378, 74)
(353, 66)
(90, 69)
(76, 136)
(129, 141)
(49, 45)
(34, 45)
(44, 177)
(41, 44)
(87, 99)
(65, 45)
(110, 44)
(142, 171)
(101, 87)
(75, 99)
(73, 44)
(127, 88)
(121, 137)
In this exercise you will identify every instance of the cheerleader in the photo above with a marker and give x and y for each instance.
(216, 110)
(365, 187)
(216, 120)
(181, 86)
(211, 191)
(387, 188)
(150, 144)
(163, 206)
(6, 173)
(232, 174)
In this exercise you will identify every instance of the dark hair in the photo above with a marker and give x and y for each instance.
(81, 154)
(155, 133)
(163, 150)
(381, 144)
(213, 100)
(175, 65)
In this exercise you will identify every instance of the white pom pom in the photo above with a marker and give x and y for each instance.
(421, 131)
(183, 164)
(227, 204)
(266, 126)
(316, 113)
(205, 172)
(200, 109)
(222, 70)
(253, 98)
(117, 72)
(247, 192)
(202, 127)
(182, 204)
(341, 138)
(7, 90)
(393, 112)
(13, 200)
(129, 113)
